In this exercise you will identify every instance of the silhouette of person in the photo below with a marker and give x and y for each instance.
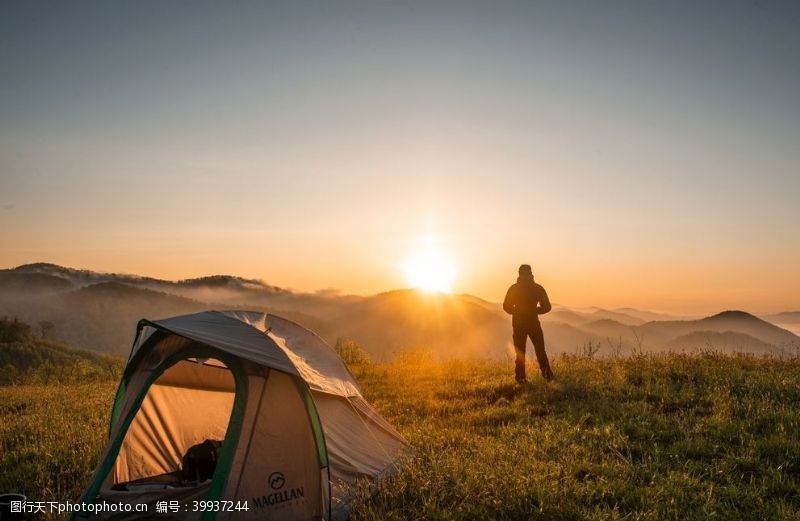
(525, 301)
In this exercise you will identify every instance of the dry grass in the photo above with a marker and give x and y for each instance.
(661, 437)
(650, 437)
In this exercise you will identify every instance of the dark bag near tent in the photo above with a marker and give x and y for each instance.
(200, 460)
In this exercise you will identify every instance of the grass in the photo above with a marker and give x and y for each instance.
(51, 437)
(650, 437)
(660, 437)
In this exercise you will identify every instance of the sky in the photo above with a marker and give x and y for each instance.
(638, 153)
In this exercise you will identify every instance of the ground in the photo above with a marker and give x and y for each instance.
(650, 437)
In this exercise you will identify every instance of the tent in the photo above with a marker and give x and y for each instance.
(298, 440)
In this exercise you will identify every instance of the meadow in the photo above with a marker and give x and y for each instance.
(671, 436)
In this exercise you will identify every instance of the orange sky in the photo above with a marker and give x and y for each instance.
(583, 275)
(638, 154)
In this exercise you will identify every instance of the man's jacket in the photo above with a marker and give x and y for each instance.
(525, 301)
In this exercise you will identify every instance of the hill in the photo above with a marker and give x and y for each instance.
(76, 277)
(26, 284)
(566, 316)
(650, 437)
(607, 327)
(727, 342)
(649, 316)
(222, 289)
(729, 331)
(789, 320)
(25, 357)
(787, 317)
(617, 316)
(734, 321)
(99, 311)
(101, 317)
(579, 318)
(451, 325)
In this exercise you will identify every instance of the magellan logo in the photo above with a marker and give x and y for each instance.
(279, 498)
(276, 480)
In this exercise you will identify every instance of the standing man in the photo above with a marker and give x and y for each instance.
(525, 301)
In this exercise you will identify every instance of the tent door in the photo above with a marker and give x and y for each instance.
(195, 395)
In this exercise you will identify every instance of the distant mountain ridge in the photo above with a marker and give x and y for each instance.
(81, 277)
(787, 317)
(735, 321)
(738, 342)
(99, 311)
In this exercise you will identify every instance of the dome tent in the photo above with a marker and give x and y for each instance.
(297, 437)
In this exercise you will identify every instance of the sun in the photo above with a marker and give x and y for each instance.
(430, 270)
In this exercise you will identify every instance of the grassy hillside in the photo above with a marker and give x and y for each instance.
(650, 437)
(661, 437)
(26, 357)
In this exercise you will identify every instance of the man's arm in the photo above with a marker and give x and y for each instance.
(510, 302)
(544, 304)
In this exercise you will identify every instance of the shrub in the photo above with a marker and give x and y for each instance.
(12, 330)
(351, 352)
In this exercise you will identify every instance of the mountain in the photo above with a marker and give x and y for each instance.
(99, 311)
(564, 338)
(27, 357)
(76, 277)
(728, 342)
(750, 324)
(649, 316)
(222, 290)
(735, 321)
(789, 320)
(617, 316)
(27, 284)
(606, 327)
(579, 318)
(101, 316)
(625, 316)
(726, 331)
(787, 317)
(566, 316)
(449, 325)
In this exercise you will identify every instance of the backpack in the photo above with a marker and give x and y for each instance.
(200, 460)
